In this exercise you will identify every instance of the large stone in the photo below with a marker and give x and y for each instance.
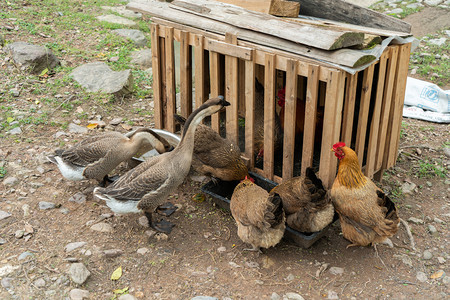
(98, 77)
(102, 227)
(408, 187)
(78, 273)
(74, 128)
(10, 181)
(33, 58)
(116, 20)
(438, 42)
(78, 294)
(134, 35)
(142, 58)
(121, 10)
(433, 2)
(4, 215)
(75, 245)
(44, 205)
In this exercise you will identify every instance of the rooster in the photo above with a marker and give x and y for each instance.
(366, 214)
(306, 203)
(259, 215)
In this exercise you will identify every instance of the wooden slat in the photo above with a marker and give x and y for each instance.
(375, 124)
(269, 115)
(349, 108)
(250, 110)
(385, 120)
(231, 93)
(274, 7)
(199, 70)
(185, 75)
(231, 50)
(290, 120)
(157, 93)
(215, 81)
(310, 35)
(340, 10)
(284, 8)
(262, 6)
(170, 80)
(399, 97)
(328, 135)
(337, 123)
(312, 95)
(364, 106)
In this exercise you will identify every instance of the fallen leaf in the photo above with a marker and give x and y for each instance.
(43, 72)
(116, 274)
(121, 291)
(92, 126)
(9, 119)
(199, 197)
(437, 274)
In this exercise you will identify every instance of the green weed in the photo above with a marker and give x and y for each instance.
(429, 169)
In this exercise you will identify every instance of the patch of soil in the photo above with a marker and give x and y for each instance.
(428, 21)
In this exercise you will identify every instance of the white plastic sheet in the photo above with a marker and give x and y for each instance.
(426, 101)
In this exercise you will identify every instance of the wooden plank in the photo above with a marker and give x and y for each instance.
(340, 10)
(364, 106)
(314, 36)
(312, 95)
(283, 8)
(250, 76)
(157, 93)
(241, 88)
(170, 80)
(375, 124)
(231, 93)
(385, 120)
(185, 75)
(349, 109)
(262, 6)
(260, 41)
(328, 135)
(290, 120)
(269, 115)
(337, 124)
(215, 81)
(399, 97)
(199, 70)
(231, 50)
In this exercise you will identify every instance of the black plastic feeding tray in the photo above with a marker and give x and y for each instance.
(221, 195)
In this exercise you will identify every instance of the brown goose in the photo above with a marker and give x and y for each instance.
(145, 187)
(214, 155)
(96, 156)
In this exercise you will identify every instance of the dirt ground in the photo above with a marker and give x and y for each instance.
(203, 255)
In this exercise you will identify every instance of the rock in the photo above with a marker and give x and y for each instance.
(290, 277)
(74, 128)
(78, 294)
(16, 130)
(116, 20)
(15, 92)
(336, 270)
(143, 221)
(72, 246)
(8, 269)
(441, 260)
(11, 181)
(4, 215)
(26, 210)
(78, 273)
(161, 236)
(233, 264)
(33, 58)
(437, 220)
(111, 253)
(428, 183)
(19, 233)
(142, 251)
(102, 227)
(421, 276)
(395, 11)
(121, 10)
(446, 280)
(438, 42)
(98, 77)
(221, 249)
(204, 298)
(115, 121)
(127, 297)
(447, 151)
(44, 205)
(25, 255)
(2, 241)
(275, 296)
(78, 198)
(39, 282)
(134, 35)
(416, 221)
(414, 5)
(150, 233)
(142, 58)
(59, 134)
(7, 282)
(293, 296)
(405, 259)
(252, 264)
(427, 255)
(433, 2)
(432, 230)
(408, 187)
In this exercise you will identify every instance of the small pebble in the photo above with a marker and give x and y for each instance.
(39, 282)
(421, 276)
(221, 249)
(25, 255)
(427, 255)
(432, 230)
(44, 205)
(142, 251)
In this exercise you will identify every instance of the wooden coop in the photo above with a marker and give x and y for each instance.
(325, 102)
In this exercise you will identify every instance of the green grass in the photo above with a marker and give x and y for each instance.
(406, 11)
(2, 172)
(430, 169)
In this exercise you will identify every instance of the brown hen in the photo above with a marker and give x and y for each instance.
(214, 155)
(366, 214)
(259, 216)
(307, 205)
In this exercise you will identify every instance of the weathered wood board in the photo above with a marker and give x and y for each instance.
(280, 8)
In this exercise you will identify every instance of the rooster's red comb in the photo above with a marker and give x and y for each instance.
(338, 145)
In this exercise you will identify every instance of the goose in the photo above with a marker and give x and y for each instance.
(96, 156)
(145, 187)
